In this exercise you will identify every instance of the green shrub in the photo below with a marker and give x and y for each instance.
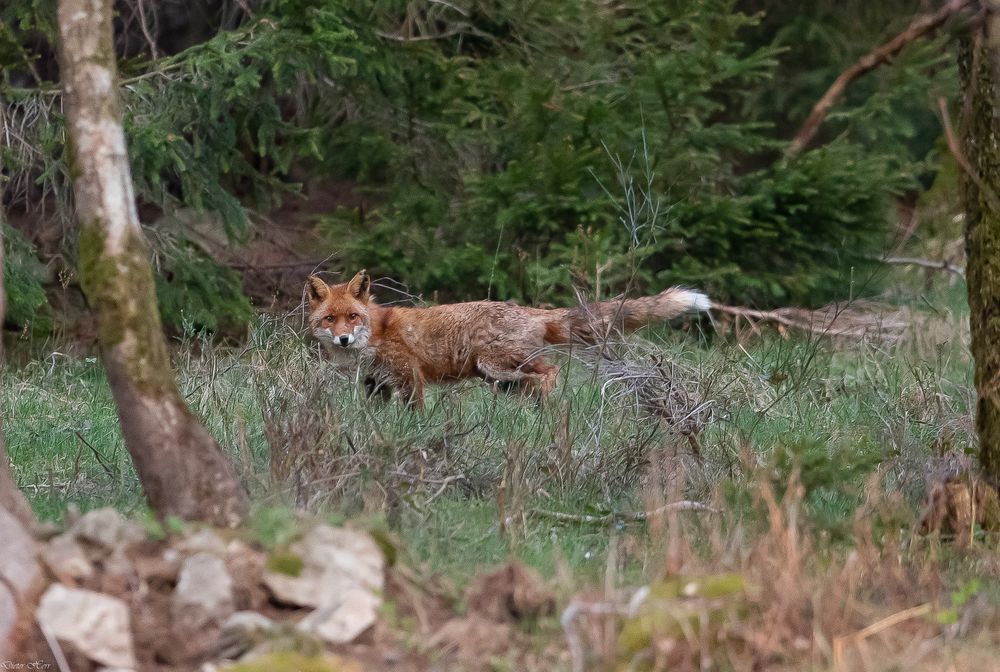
(547, 141)
(194, 291)
(23, 274)
(516, 149)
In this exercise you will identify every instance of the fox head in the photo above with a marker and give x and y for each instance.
(338, 314)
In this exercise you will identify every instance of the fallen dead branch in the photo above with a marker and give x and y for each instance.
(920, 25)
(684, 505)
(856, 320)
(933, 264)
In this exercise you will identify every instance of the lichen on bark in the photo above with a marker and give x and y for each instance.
(121, 289)
(979, 65)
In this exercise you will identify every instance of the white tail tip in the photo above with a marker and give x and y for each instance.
(696, 301)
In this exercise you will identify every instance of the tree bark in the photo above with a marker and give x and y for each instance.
(11, 498)
(20, 581)
(979, 65)
(19, 571)
(182, 469)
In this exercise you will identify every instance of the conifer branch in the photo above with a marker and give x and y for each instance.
(920, 26)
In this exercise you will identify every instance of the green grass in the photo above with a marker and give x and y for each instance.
(808, 448)
(837, 411)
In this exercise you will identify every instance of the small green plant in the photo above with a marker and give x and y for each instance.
(175, 526)
(291, 661)
(27, 304)
(153, 527)
(285, 562)
(959, 598)
(194, 290)
(274, 526)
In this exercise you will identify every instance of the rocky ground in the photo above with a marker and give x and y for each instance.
(112, 596)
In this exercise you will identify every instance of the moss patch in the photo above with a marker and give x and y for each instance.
(296, 662)
(285, 562)
(120, 287)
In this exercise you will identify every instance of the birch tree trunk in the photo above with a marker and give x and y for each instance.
(19, 571)
(11, 498)
(183, 471)
(979, 64)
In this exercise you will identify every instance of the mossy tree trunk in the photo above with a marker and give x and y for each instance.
(11, 498)
(183, 471)
(979, 64)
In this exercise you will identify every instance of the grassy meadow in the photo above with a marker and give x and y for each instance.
(812, 457)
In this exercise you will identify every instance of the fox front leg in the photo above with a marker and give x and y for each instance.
(411, 392)
(377, 389)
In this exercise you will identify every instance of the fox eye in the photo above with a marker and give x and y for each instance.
(328, 318)
(353, 316)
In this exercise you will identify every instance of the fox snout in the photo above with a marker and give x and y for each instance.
(355, 339)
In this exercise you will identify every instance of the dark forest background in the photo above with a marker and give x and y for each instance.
(474, 148)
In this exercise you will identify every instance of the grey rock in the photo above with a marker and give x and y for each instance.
(106, 528)
(95, 625)
(242, 631)
(344, 620)
(335, 561)
(204, 540)
(65, 558)
(204, 592)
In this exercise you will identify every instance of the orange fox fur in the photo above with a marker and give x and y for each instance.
(499, 342)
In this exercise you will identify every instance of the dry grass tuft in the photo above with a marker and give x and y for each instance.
(659, 387)
(778, 596)
(957, 505)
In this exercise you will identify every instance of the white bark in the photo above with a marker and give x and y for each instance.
(19, 571)
(11, 498)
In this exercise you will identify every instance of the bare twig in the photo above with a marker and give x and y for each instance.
(97, 455)
(423, 38)
(920, 26)
(144, 25)
(444, 484)
(458, 9)
(571, 616)
(588, 84)
(54, 647)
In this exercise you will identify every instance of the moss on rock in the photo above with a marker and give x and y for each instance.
(290, 661)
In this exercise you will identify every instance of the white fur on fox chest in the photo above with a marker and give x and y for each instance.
(348, 360)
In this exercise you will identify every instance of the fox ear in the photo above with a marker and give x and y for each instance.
(360, 286)
(317, 289)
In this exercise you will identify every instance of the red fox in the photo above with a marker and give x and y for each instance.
(496, 341)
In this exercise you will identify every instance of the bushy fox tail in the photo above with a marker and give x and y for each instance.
(594, 322)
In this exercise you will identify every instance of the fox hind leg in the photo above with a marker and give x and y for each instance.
(543, 379)
(535, 377)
